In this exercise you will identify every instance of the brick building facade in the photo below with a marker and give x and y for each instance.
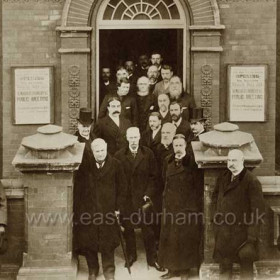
(64, 34)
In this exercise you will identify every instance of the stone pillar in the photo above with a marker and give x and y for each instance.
(75, 74)
(47, 161)
(206, 51)
(211, 155)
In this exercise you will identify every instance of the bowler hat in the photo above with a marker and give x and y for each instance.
(85, 117)
(196, 114)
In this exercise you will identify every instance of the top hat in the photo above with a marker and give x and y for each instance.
(85, 116)
(196, 114)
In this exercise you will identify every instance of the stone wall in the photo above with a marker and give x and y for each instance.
(250, 38)
(29, 39)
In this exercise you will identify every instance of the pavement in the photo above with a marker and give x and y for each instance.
(139, 270)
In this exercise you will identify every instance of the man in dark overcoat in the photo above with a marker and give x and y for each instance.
(179, 237)
(151, 137)
(146, 103)
(239, 205)
(113, 126)
(100, 201)
(163, 101)
(176, 112)
(128, 102)
(177, 94)
(141, 172)
(82, 175)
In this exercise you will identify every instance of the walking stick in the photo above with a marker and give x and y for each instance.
(123, 245)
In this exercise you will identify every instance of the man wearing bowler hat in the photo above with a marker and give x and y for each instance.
(81, 176)
(197, 123)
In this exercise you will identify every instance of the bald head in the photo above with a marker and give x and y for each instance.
(235, 161)
(143, 85)
(153, 74)
(99, 149)
(168, 132)
(133, 137)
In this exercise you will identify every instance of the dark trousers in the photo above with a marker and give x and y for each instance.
(148, 238)
(246, 255)
(108, 263)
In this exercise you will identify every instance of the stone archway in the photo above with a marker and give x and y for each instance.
(78, 49)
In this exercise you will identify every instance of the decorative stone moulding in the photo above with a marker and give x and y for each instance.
(49, 149)
(213, 147)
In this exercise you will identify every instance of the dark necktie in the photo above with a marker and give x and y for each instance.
(100, 165)
(178, 162)
(134, 154)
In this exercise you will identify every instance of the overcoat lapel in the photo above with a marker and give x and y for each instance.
(138, 159)
(112, 125)
(172, 169)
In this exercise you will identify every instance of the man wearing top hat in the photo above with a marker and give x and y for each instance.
(82, 175)
(197, 122)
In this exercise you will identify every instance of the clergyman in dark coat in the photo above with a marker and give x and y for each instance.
(141, 172)
(239, 205)
(100, 202)
(179, 237)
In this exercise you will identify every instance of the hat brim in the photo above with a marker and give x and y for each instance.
(85, 122)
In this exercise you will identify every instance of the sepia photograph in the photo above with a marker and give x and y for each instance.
(139, 139)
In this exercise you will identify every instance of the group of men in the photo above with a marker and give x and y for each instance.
(138, 170)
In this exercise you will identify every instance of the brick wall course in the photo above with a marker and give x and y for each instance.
(250, 38)
(29, 39)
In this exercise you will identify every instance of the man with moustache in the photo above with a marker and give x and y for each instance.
(156, 59)
(146, 103)
(106, 85)
(176, 94)
(143, 65)
(163, 101)
(238, 192)
(153, 75)
(179, 237)
(130, 68)
(129, 108)
(141, 172)
(151, 137)
(100, 202)
(163, 86)
(113, 126)
(176, 112)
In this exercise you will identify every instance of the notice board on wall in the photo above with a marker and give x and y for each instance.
(33, 95)
(247, 93)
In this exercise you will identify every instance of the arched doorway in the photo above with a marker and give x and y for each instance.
(127, 28)
(82, 21)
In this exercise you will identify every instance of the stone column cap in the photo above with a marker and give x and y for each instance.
(49, 138)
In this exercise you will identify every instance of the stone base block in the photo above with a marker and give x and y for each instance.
(268, 269)
(210, 271)
(48, 273)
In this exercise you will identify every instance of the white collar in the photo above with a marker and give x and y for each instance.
(154, 132)
(163, 114)
(106, 83)
(134, 151)
(181, 156)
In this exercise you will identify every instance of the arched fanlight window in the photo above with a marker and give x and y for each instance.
(141, 10)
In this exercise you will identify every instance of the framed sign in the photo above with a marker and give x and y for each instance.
(247, 93)
(33, 90)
